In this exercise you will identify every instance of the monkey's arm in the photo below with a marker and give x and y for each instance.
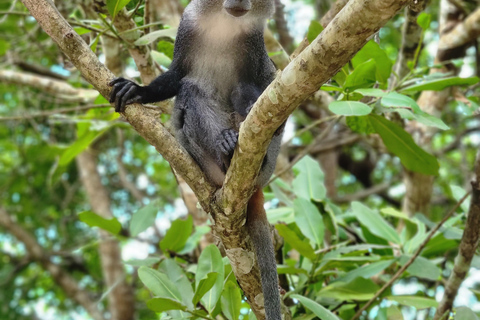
(126, 91)
(164, 86)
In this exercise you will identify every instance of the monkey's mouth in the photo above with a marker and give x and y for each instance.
(236, 12)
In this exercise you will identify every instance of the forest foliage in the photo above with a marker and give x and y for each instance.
(370, 166)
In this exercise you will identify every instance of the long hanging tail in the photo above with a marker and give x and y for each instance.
(259, 230)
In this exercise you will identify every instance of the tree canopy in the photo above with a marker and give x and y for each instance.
(374, 205)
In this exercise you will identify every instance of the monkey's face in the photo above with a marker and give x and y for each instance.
(239, 8)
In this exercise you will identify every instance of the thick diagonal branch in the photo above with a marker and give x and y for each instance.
(95, 73)
(335, 46)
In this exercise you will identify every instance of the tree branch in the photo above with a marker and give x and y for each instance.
(466, 250)
(411, 260)
(95, 73)
(327, 54)
(302, 77)
(58, 88)
(462, 34)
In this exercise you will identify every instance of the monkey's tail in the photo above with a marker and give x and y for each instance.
(259, 230)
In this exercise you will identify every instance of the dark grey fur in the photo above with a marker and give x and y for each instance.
(220, 68)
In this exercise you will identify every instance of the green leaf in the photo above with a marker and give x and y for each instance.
(375, 222)
(395, 213)
(204, 286)
(372, 51)
(414, 301)
(423, 20)
(329, 87)
(400, 143)
(166, 47)
(152, 36)
(308, 183)
(94, 220)
(319, 310)
(147, 262)
(363, 76)
(159, 284)
(366, 271)
(177, 235)
(210, 261)
(358, 289)
(397, 100)
(422, 268)
(458, 193)
(143, 218)
(164, 304)
(281, 214)
(94, 43)
(179, 279)
(371, 92)
(314, 30)
(303, 247)
(440, 84)
(114, 6)
(4, 46)
(231, 301)
(79, 146)
(309, 220)
(464, 313)
(194, 239)
(394, 99)
(360, 124)
(81, 30)
(350, 108)
(161, 58)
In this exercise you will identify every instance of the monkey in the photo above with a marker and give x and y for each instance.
(220, 67)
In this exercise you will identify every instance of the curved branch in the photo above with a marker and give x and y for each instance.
(95, 73)
(334, 47)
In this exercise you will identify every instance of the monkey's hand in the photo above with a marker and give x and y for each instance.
(227, 140)
(125, 92)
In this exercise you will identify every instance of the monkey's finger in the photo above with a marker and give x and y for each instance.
(113, 94)
(136, 99)
(127, 96)
(116, 80)
(231, 139)
(119, 97)
(224, 148)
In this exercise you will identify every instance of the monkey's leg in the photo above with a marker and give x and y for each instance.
(203, 127)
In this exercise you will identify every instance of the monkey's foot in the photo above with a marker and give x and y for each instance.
(227, 140)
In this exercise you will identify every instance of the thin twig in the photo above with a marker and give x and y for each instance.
(55, 111)
(309, 127)
(307, 149)
(412, 259)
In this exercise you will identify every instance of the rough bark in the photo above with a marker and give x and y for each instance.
(58, 88)
(120, 294)
(334, 10)
(466, 250)
(284, 36)
(303, 76)
(166, 11)
(411, 38)
(68, 284)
